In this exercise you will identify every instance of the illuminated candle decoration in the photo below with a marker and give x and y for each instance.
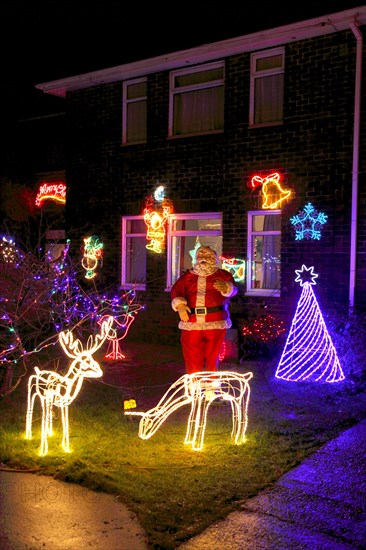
(308, 223)
(122, 321)
(199, 390)
(273, 194)
(156, 217)
(93, 253)
(235, 266)
(51, 191)
(53, 389)
(309, 353)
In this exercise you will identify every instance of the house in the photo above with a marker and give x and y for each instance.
(258, 143)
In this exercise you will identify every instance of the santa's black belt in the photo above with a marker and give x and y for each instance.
(205, 310)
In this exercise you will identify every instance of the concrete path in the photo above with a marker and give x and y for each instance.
(38, 512)
(320, 505)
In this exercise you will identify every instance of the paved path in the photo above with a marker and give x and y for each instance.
(320, 505)
(38, 512)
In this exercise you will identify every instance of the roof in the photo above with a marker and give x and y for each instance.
(310, 28)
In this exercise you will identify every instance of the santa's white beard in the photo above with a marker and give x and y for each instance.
(204, 269)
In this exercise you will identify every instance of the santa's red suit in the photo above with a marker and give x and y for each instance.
(204, 333)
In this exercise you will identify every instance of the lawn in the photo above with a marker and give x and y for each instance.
(176, 492)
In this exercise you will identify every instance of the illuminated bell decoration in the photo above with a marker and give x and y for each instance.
(51, 191)
(309, 353)
(53, 389)
(199, 390)
(93, 252)
(273, 194)
(308, 223)
(235, 266)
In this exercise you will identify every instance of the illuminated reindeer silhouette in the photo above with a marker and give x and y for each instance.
(200, 389)
(53, 389)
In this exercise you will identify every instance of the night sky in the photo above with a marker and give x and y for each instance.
(44, 40)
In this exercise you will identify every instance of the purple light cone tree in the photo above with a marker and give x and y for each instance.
(309, 353)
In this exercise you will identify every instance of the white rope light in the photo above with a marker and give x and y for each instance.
(53, 389)
(199, 390)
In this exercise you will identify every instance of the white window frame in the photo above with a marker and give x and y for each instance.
(124, 251)
(187, 233)
(250, 234)
(259, 74)
(174, 90)
(125, 105)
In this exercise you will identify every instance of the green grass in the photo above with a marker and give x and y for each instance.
(176, 492)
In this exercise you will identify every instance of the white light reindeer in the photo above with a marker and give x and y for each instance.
(53, 389)
(200, 390)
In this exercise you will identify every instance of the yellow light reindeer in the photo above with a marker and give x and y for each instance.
(200, 390)
(53, 389)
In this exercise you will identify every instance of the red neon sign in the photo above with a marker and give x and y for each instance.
(51, 191)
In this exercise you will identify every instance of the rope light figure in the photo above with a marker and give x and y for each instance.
(51, 191)
(199, 390)
(309, 353)
(54, 389)
(235, 266)
(308, 223)
(155, 218)
(121, 323)
(273, 194)
(93, 253)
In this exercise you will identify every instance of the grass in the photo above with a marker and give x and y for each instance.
(176, 492)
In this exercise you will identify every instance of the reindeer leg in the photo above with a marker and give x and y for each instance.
(201, 420)
(65, 428)
(237, 422)
(191, 424)
(44, 444)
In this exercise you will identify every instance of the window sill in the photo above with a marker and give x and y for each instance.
(264, 292)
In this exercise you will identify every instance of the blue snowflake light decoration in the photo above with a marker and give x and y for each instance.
(308, 223)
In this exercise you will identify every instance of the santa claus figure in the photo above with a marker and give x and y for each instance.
(201, 299)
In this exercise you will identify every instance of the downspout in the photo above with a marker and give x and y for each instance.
(355, 165)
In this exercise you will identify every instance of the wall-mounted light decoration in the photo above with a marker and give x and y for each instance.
(199, 390)
(309, 353)
(53, 389)
(51, 191)
(93, 255)
(308, 223)
(235, 266)
(273, 193)
(156, 213)
(123, 312)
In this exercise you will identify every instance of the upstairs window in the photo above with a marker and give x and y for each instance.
(134, 111)
(196, 104)
(133, 268)
(267, 87)
(264, 253)
(185, 233)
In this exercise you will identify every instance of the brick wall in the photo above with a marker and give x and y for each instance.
(312, 149)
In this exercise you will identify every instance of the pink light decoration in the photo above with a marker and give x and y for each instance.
(121, 328)
(200, 390)
(51, 191)
(273, 194)
(156, 220)
(54, 389)
(309, 353)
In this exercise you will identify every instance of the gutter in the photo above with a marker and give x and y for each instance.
(269, 38)
(355, 165)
